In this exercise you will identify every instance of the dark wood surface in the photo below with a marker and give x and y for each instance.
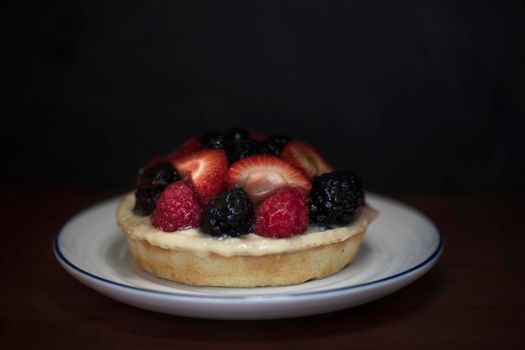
(472, 298)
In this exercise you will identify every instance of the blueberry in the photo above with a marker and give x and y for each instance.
(214, 139)
(236, 134)
(241, 149)
(273, 145)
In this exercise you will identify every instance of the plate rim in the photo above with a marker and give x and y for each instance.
(433, 257)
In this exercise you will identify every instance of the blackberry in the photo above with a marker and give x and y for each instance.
(150, 184)
(241, 149)
(273, 145)
(145, 201)
(214, 139)
(335, 198)
(236, 134)
(158, 175)
(230, 213)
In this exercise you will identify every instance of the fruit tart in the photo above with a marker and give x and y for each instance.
(237, 209)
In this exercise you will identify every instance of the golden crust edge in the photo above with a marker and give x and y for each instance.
(272, 269)
(245, 271)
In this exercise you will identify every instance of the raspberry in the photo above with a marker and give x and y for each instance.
(282, 215)
(177, 208)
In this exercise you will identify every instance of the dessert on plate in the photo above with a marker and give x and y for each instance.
(238, 209)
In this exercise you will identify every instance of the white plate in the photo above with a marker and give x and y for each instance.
(400, 246)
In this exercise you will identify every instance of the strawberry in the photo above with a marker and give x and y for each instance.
(153, 161)
(177, 208)
(305, 158)
(261, 175)
(186, 148)
(206, 168)
(282, 215)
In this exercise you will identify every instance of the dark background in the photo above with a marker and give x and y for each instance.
(416, 96)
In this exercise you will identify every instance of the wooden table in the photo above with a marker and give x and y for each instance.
(472, 298)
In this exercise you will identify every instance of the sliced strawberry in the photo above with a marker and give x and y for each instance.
(206, 168)
(305, 158)
(154, 161)
(262, 175)
(186, 148)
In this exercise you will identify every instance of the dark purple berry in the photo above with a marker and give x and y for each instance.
(335, 198)
(236, 135)
(241, 149)
(230, 213)
(214, 139)
(150, 184)
(273, 145)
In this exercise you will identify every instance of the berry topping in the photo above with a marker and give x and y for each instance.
(154, 161)
(236, 134)
(157, 176)
(306, 158)
(335, 198)
(206, 169)
(177, 208)
(273, 145)
(282, 215)
(145, 201)
(186, 148)
(228, 214)
(150, 184)
(241, 149)
(262, 175)
(214, 139)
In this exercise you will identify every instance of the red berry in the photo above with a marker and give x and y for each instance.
(154, 161)
(177, 208)
(282, 215)
(262, 175)
(190, 146)
(305, 158)
(206, 169)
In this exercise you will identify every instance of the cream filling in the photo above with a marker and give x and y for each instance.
(140, 228)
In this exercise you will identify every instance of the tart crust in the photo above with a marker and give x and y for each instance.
(192, 258)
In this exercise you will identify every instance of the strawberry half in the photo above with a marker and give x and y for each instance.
(190, 146)
(305, 158)
(206, 168)
(262, 175)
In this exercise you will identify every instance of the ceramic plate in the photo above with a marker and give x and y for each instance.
(400, 246)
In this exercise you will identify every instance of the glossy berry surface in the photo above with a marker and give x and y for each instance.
(177, 208)
(236, 135)
(230, 213)
(282, 215)
(273, 145)
(214, 139)
(157, 176)
(206, 169)
(262, 175)
(241, 149)
(335, 198)
(150, 184)
(145, 201)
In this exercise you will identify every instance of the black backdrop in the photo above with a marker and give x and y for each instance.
(417, 95)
